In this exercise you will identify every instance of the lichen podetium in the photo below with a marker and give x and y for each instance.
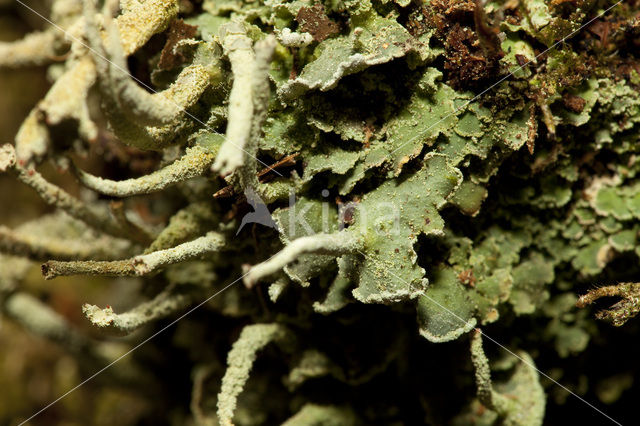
(435, 171)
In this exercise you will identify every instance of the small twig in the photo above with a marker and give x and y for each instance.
(532, 131)
(200, 375)
(547, 115)
(620, 312)
(487, 35)
(286, 161)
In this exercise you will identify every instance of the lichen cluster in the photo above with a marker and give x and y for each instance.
(432, 168)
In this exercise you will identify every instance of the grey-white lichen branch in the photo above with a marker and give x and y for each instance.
(138, 105)
(195, 162)
(41, 248)
(186, 224)
(486, 395)
(238, 48)
(68, 95)
(143, 19)
(315, 414)
(43, 321)
(522, 401)
(248, 102)
(138, 265)
(66, 100)
(100, 219)
(240, 360)
(37, 48)
(260, 90)
(46, 46)
(164, 304)
(8, 157)
(332, 244)
(128, 107)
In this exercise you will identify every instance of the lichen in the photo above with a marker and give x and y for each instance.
(416, 170)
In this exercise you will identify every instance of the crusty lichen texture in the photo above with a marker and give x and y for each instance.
(333, 191)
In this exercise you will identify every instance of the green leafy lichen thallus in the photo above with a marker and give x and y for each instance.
(412, 200)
